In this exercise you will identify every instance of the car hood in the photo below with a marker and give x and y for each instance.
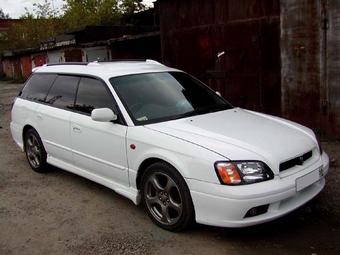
(239, 134)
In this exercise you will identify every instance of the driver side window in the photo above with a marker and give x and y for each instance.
(92, 94)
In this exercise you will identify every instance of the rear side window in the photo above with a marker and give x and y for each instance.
(93, 94)
(37, 87)
(62, 94)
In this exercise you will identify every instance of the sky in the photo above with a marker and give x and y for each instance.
(15, 8)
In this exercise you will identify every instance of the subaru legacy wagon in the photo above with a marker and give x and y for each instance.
(162, 138)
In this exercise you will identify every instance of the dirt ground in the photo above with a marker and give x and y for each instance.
(61, 213)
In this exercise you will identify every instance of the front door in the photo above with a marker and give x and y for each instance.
(98, 147)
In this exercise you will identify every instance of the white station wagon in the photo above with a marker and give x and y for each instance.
(160, 137)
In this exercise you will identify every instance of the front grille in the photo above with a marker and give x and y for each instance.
(298, 161)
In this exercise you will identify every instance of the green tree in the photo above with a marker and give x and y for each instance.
(45, 22)
(3, 35)
(80, 13)
(35, 26)
(4, 15)
(44, 10)
(131, 6)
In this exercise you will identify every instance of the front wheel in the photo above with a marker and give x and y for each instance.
(166, 197)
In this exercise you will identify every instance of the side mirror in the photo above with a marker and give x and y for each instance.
(103, 115)
(218, 93)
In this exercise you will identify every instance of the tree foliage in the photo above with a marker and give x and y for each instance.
(3, 35)
(4, 15)
(45, 22)
(41, 24)
(131, 6)
(79, 13)
(44, 10)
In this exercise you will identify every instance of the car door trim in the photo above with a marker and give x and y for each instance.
(122, 168)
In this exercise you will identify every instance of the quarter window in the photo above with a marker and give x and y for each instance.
(37, 87)
(63, 91)
(93, 94)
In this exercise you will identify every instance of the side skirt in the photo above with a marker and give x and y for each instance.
(128, 192)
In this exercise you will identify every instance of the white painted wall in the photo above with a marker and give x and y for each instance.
(100, 53)
(55, 57)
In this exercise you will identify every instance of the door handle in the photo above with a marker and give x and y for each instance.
(76, 129)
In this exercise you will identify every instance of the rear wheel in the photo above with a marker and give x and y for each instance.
(166, 197)
(35, 151)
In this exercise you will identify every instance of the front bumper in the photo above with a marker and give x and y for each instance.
(226, 206)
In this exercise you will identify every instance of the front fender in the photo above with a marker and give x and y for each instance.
(190, 160)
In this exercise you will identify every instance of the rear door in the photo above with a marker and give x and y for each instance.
(98, 147)
(54, 117)
(25, 108)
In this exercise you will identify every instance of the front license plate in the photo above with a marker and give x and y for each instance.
(308, 179)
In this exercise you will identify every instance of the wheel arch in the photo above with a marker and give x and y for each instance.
(144, 165)
(188, 165)
(151, 160)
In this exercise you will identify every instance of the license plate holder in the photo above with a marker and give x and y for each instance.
(308, 179)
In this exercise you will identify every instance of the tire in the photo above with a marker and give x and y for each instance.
(166, 197)
(35, 151)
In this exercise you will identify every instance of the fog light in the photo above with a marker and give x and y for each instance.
(255, 211)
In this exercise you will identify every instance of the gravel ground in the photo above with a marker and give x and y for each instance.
(61, 213)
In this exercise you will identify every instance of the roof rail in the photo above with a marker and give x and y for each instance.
(151, 61)
(35, 69)
(148, 61)
(123, 60)
(68, 64)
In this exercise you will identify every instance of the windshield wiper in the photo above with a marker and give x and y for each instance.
(202, 110)
(184, 115)
(212, 108)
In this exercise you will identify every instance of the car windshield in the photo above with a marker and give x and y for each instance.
(156, 97)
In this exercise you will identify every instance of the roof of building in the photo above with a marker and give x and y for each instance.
(106, 70)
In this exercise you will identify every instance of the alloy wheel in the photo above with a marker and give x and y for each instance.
(163, 198)
(33, 151)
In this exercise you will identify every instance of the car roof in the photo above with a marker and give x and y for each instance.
(105, 70)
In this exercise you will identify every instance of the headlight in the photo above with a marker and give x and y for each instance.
(242, 172)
